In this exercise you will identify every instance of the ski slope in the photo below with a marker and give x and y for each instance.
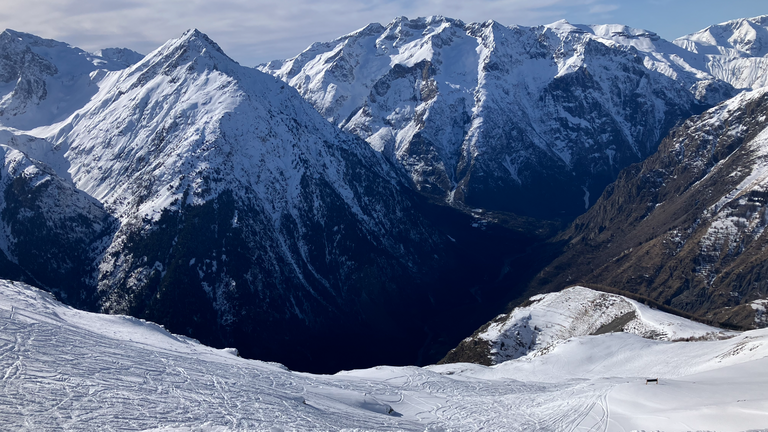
(64, 369)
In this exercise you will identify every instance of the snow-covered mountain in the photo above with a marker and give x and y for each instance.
(71, 370)
(686, 227)
(533, 120)
(236, 214)
(212, 198)
(734, 51)
(43, 81)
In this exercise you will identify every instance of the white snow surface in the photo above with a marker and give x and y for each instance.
(734, 51)
(43, 81)
(64, 369)
(554, 318)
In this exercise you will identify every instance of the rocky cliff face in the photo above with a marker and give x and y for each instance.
(685, 227)
(531, 120)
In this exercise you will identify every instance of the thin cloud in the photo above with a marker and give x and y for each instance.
(257, 31)
(249, 31)
(602, 8)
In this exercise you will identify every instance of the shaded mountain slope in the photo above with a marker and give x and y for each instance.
(49, 230)
(686, 226)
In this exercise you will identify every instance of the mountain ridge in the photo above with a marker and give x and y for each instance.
(35, 71)
(234, 212)
(242, 217)
(467, 109)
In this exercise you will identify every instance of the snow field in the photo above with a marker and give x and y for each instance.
(63, 369)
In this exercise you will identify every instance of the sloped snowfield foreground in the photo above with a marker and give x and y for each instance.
(67, 369)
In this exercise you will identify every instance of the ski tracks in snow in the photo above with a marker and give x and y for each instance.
(63, 369)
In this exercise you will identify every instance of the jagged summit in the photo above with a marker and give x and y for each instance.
(10, 35)
(748, 36)
(734, 51)
(563, 26)
(614, 31)
(194, 49)
(467, 109)
(194, 37)
(423, 22)
(124, 56)
(185, 107)
(46, 80)
(68, 58)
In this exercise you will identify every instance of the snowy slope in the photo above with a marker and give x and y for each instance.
(65, 369)
(43, 81)
(497, 117)
(734, 51)
(577, 311)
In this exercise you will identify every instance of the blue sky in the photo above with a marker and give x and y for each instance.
(252, 32)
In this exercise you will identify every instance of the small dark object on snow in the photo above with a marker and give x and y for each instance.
(652, 380)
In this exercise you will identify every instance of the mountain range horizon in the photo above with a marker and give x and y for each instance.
(428, 225)
(406, 173)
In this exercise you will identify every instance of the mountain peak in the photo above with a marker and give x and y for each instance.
(760, 20)
(193, 50)
(192, 34)
(372, 28)
(10, 33)
(124, 56)
(743, 37)
(19, 39)
(562, 26)
(421, 23)
(194, 37)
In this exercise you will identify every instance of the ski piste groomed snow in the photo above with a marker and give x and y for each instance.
(64, 369)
